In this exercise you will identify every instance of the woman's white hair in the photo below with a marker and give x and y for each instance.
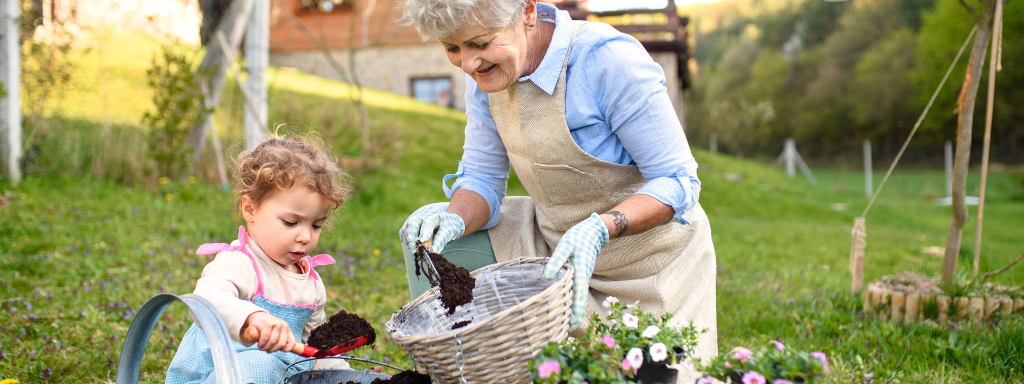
(438, 19)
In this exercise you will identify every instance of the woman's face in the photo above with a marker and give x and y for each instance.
(495, 58)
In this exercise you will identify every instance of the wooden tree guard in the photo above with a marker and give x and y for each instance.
(897, 309)
(857, 254)
(913, 308)
(908, 308)
(942, 302)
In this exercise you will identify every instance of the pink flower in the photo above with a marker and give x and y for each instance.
(741, 354)
(545, 369)
(778, 345)
(609, 341)
(727, 365)
(706, 380)
(821, 357)
(625, 365)
(753, 377)
(781, 381)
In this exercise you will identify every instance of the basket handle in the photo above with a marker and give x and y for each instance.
(225, 362)
(281, 380)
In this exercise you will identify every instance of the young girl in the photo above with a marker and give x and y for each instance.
(265, 280)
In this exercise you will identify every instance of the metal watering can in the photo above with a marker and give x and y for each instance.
(224, 360)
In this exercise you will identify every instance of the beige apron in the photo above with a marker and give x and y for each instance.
(669, 268)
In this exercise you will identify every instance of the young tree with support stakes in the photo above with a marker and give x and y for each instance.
(968, 94)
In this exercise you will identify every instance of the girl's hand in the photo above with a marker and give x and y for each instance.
(271, 333)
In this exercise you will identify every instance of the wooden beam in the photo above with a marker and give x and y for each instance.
(215, 65)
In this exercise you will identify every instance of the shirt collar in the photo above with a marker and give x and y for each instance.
(546, 75)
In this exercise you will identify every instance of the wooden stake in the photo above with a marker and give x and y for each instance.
(1018, 306)
(977, 309)
(898, 301)
(857, 255)
(885, 312)
(1006, 306)
(869, 305)
(993, 58)
(913, 307)
(991, 306)
(943, 304)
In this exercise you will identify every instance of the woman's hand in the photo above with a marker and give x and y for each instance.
(271, 333)
(583, 242)
(420, 226)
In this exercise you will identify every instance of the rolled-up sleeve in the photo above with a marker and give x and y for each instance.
(638, 110)
(484, 167)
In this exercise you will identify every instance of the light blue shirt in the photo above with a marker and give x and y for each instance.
(616, 107)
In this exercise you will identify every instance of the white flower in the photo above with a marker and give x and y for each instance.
(635, 357)
(651, 331)
(659, 352)
(688, 363)
(608, 301)
(630, 321)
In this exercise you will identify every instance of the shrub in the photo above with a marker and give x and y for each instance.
(179, 105)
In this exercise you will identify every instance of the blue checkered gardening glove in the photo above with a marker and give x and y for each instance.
(583, 242)
(420, 226)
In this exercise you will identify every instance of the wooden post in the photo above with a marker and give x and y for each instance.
(868, 188)
(257, 37)
(1006, 306)
(869, 307)
(898, 301)
(949, 168)
(961, 305)
(10, 75)
(993, 58)
(991, 306)
(713, 145)
(232, 26)
(1018, 305)
(859, 235)
(790, 153)
(977, 309)
(885, 312)
(943, 302)
(913, 308)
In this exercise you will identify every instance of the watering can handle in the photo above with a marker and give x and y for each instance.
(225, 362)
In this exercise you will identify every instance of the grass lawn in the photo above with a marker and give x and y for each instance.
(80, 253)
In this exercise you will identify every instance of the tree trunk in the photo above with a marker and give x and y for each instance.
(965, 112)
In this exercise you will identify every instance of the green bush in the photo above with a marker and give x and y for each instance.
(179, 105)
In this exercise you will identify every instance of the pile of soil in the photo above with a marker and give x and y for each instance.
(339, 329)
(405, 377)
(461, 324)
(456, 282)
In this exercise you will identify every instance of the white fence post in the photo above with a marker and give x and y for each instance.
(949, 169)
(10, 75)
(868, 187)
(713, 146)
(790, 153)
(257, 37)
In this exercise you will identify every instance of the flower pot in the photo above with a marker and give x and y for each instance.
(658, 372)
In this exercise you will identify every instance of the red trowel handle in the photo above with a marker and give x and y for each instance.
(298, 349)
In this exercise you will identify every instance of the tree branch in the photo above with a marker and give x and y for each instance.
(993, 273)
(972, 11)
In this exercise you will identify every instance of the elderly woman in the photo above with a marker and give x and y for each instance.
(579, 110)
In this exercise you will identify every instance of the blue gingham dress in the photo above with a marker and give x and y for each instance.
(193, 362)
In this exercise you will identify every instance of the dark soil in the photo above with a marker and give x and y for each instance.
(456, 282)
(405, 377)
(461, 324)
(339, 329)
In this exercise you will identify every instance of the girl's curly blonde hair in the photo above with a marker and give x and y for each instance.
(279, 164)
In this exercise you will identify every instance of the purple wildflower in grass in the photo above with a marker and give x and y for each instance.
(753, 377)
(821, 357)
(87, 252)
(387, 359)
(3, 355)
(103, 285)
(88, 287)
(781, 381)
(547, 368)
(167, 275)
(778, 345)
(28, 305)
(151, 252)
(72, 248)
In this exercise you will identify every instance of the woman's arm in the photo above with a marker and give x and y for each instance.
(472, 208)
(635, 215)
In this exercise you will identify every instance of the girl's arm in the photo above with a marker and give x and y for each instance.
(229, 282)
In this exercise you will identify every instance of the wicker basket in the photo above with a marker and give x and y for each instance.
(495, 349)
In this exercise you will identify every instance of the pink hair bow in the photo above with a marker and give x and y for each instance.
(213, 248)
(318, 260)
